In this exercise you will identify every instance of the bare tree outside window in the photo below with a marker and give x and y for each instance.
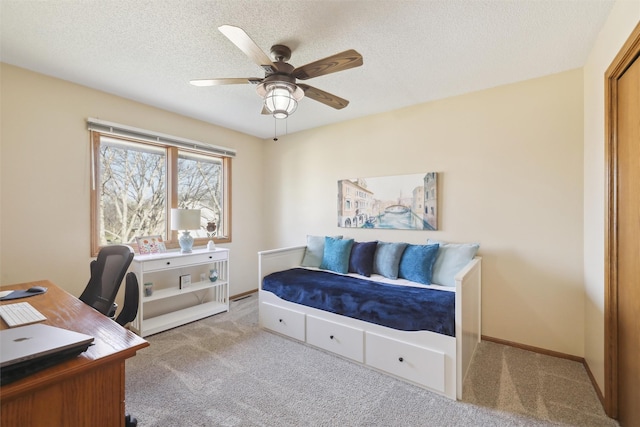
(200, 186)
(132, 194)
(133, 191)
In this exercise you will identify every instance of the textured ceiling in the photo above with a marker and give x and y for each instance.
(414, 51)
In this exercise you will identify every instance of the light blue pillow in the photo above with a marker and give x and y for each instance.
(417, 262)
(387, 259)
(336, 254)
(314, 251)
(452, 257)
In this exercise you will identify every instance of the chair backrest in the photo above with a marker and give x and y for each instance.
(107, 272)
(131, 299)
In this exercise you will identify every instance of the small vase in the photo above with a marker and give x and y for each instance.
(213, 274)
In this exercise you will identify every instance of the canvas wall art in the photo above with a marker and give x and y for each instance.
(402, 202)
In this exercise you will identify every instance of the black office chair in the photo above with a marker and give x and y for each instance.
(131, 298)
(107, 272)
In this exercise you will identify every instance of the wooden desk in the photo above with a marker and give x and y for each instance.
(84, 391)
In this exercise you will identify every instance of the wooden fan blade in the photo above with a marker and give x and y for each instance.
(230, 81)
(248, 46)
(265, 111)
(324, 97)
(332, 64)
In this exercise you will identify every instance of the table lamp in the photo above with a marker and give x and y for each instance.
(185, 219)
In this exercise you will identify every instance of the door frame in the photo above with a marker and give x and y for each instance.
(629, 52)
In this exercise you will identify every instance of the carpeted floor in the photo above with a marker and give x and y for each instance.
(226, 371)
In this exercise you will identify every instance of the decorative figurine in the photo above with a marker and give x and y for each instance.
(211, 231)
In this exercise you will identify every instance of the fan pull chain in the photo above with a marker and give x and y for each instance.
(275, 136)
(275, 128)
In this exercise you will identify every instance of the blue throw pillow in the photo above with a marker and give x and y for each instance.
(387, 259)
(314, 251)
(336, 254)
(417, 262)
(361, 260)
(452, 257)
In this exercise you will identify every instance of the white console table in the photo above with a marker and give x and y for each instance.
(171, 304)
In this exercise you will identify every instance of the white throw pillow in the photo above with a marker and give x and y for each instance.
(451, 258)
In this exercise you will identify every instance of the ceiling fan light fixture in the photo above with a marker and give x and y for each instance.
(281, 99)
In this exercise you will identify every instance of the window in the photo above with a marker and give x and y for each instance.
(200, 186)
(136, 182)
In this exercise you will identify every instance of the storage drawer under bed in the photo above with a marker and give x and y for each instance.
(336, 338)
(408, 361)
(282, 320)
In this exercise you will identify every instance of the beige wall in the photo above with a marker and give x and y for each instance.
(44, 232)
(621, 22)
(510, 161)
(512, 167)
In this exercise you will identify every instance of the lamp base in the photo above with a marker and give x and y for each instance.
(211, 245)
(186, 242)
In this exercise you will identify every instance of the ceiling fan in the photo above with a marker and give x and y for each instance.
(278, 88)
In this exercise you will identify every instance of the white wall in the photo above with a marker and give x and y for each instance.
(510, 161)
(624, 16)
(44, 232)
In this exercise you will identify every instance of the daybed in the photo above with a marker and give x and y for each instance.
(312, 305)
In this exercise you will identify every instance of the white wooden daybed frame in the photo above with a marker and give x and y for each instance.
(428, 359)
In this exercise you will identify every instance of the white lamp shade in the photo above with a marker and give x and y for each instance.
(185, 219)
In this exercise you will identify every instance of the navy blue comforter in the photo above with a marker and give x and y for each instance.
(399, 307)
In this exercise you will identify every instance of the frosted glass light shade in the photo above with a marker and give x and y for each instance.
(280, 98)
(280, 102)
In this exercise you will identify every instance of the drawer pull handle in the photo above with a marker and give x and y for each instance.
(401, 359)
(210, 257)
(168, 262)
(280, 320)
(330, 336)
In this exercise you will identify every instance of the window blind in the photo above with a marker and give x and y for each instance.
(151, 136)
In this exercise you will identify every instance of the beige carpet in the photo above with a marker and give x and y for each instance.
(544, 387)
(226, 371)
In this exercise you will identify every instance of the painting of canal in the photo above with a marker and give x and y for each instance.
(405, 202)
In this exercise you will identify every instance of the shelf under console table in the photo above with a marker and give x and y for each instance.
(175, 301)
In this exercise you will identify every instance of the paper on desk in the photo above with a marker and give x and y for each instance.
(4, 293)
